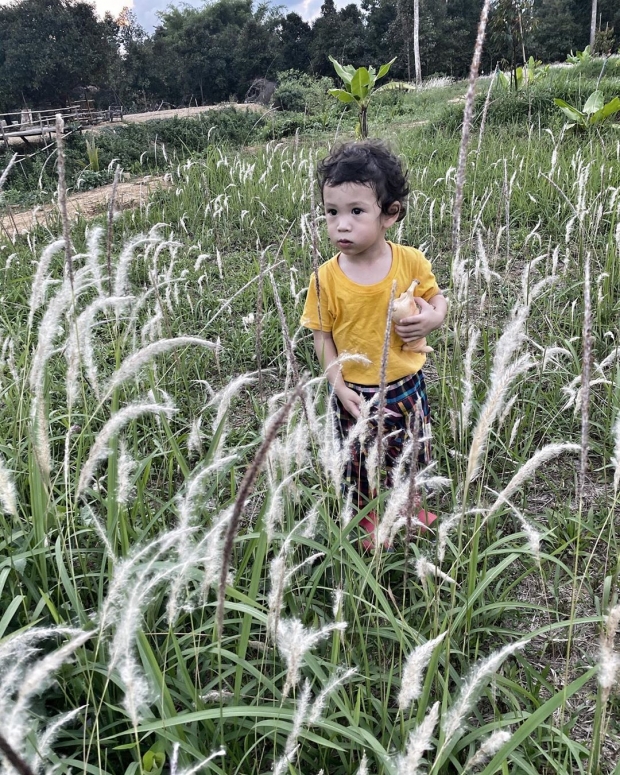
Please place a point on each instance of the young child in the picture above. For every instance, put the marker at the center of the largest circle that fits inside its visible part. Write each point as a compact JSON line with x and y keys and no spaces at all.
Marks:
{"x":364,"y":191}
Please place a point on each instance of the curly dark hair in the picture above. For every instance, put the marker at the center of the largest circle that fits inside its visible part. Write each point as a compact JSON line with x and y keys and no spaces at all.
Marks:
{"x":371,"y":163}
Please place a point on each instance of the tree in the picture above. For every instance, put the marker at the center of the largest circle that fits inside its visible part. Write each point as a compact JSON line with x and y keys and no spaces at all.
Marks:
{"x":295,"y":42}
{"x":556,"y":32}
{"x":508,"y":23}
{"x":416,"y":42}
{"x":593,"y":25}
{"x":49,"y":47}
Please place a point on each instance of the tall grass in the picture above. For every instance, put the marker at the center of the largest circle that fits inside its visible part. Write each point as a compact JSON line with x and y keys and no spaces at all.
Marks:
{"x":471,"y":650}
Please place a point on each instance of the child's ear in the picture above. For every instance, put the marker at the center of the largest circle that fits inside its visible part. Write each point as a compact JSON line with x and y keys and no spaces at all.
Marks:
{"x":393,"y":212}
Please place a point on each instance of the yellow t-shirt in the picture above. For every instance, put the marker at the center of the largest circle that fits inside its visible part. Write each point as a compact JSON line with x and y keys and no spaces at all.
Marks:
{"x":356,"y":314}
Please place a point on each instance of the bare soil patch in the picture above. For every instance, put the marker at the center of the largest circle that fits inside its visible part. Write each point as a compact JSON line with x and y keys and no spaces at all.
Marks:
{"x":158,"y":115}
{"x":87,"y":204}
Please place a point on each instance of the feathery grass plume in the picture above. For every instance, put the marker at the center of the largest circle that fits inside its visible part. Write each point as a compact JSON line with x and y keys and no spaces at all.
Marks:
{"x":90,"y":519}
{"x":616,"y":456}
{"x":194,"y":438}
{"x":100,"y":449}
{"x":138,"y":360}
{"x":314,"y":245}
{"x":206,"y":553}
{"x":13,"y":758}
{"x":39,"y":676}
{"x":383,"y":378}
{"x":445,"y":526}
{"x":467,"y":123}
{"x":363,"y":770}
{"x":122,"y":613}
{"x":290,"y":748}
{"x":277,"y":581}
{"x":488,"y":749}
{"x":548,"y":452}
{"x":62,"y":194}
{"x":126,"y":466}
{"x":211,"y":559}
{"x":338,"y":597}
{"x":258,"y":338}
{"x":340,"y":676}
{"x":222,"y":400}
{"x":424,"y":568}
{"x":609,"y":663}
{"x":482,"y":262}
{"x":585,"y":376}
{"x":92,"y":256}
{"x":275,"y":512}
{"x":293,"y":368}
{"x":502,"y":376}
{"x":8,"y":494}
{"x":47,"y":332}
{"x":121,"y":277}
{"x":108,"y":248}
{"x":294,"y":641}
{"x":411,"y":682}
{"x":7,"y":169}
{"x":397,"y":501}
{"x":197,"y":767}
{"x":80,"y":348}
{"x":245,"y":489}
{"x":485,"y":109}
{"x":467,"y":380}
{"x":280,"y":577}
{"x":188,"y":505}
{"x":470,"y":691}
{"x":420,"y":740}
{"x":41,"y":281}
{"x":46,"y":739}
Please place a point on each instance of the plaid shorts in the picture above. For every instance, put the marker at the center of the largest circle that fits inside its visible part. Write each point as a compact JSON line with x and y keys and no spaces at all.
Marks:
{"x":406,"y":408}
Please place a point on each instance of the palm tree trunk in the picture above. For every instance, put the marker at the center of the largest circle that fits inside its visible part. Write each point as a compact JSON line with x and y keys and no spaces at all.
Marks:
{"x":593,"y":26}
{"x":416,"y":42}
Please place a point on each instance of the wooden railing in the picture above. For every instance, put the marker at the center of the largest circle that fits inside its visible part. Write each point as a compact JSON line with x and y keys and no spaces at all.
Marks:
{"x":38,"y":123}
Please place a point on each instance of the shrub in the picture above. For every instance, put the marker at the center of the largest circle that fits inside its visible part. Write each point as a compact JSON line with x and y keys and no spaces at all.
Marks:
{"x":301,"y":93}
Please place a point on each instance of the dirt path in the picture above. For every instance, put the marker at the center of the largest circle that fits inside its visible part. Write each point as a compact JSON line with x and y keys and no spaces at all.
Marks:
{"x":131,"y":194}
{"x":140,"y":118}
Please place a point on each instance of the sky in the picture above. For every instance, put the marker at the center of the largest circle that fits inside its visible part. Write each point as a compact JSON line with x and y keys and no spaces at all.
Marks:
{"x":146,"y":10}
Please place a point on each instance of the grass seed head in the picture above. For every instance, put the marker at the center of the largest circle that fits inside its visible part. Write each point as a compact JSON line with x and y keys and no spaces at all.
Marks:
{"x":411,"y":683}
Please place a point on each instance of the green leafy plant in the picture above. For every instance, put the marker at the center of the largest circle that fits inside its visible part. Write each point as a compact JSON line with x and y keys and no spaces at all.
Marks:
{"x":594,"y":111}
{"x":580,"y":57}
{"x":524,"y":76}
{"x":93,"y":154}
{"x":359,"y":88}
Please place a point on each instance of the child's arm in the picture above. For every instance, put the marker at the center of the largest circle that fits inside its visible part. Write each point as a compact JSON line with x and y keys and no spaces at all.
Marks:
{"x":327,"y":354}
{"x":431,"y":316}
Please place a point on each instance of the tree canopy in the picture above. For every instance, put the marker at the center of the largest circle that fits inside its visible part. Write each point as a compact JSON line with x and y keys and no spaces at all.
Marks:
{"x":211,"y":53}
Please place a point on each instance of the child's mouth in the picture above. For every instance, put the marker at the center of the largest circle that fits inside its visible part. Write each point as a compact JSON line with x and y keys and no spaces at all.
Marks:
{"x":344,"y":242}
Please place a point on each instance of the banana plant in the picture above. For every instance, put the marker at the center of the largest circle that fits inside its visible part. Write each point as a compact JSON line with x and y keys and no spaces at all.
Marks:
{"x":359,"y":87}
{"x":526,"y":75}
{"x":580,"y":57}
{"x":594,"y":111}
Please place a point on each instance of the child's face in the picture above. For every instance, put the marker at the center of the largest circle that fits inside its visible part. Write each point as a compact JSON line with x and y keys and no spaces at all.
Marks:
{"x":355,"y":223}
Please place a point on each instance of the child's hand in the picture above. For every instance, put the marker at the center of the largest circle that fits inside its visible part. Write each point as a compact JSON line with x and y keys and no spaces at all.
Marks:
{"x":430,"y":317}
{"x":350,"y":400}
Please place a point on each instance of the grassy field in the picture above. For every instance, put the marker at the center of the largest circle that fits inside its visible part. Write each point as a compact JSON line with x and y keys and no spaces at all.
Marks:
{"x":158,"y":401}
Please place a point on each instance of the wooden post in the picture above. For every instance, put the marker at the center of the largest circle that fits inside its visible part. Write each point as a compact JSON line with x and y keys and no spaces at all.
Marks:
{"x":4,"y":137}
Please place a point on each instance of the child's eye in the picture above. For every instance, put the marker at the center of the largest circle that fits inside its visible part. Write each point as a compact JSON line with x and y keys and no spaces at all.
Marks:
{"x":331,"y":211}
{"x":357,"y":211}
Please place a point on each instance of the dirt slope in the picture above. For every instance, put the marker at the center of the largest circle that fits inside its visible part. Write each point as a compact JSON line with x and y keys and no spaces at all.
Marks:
{"x":133,"y":193}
